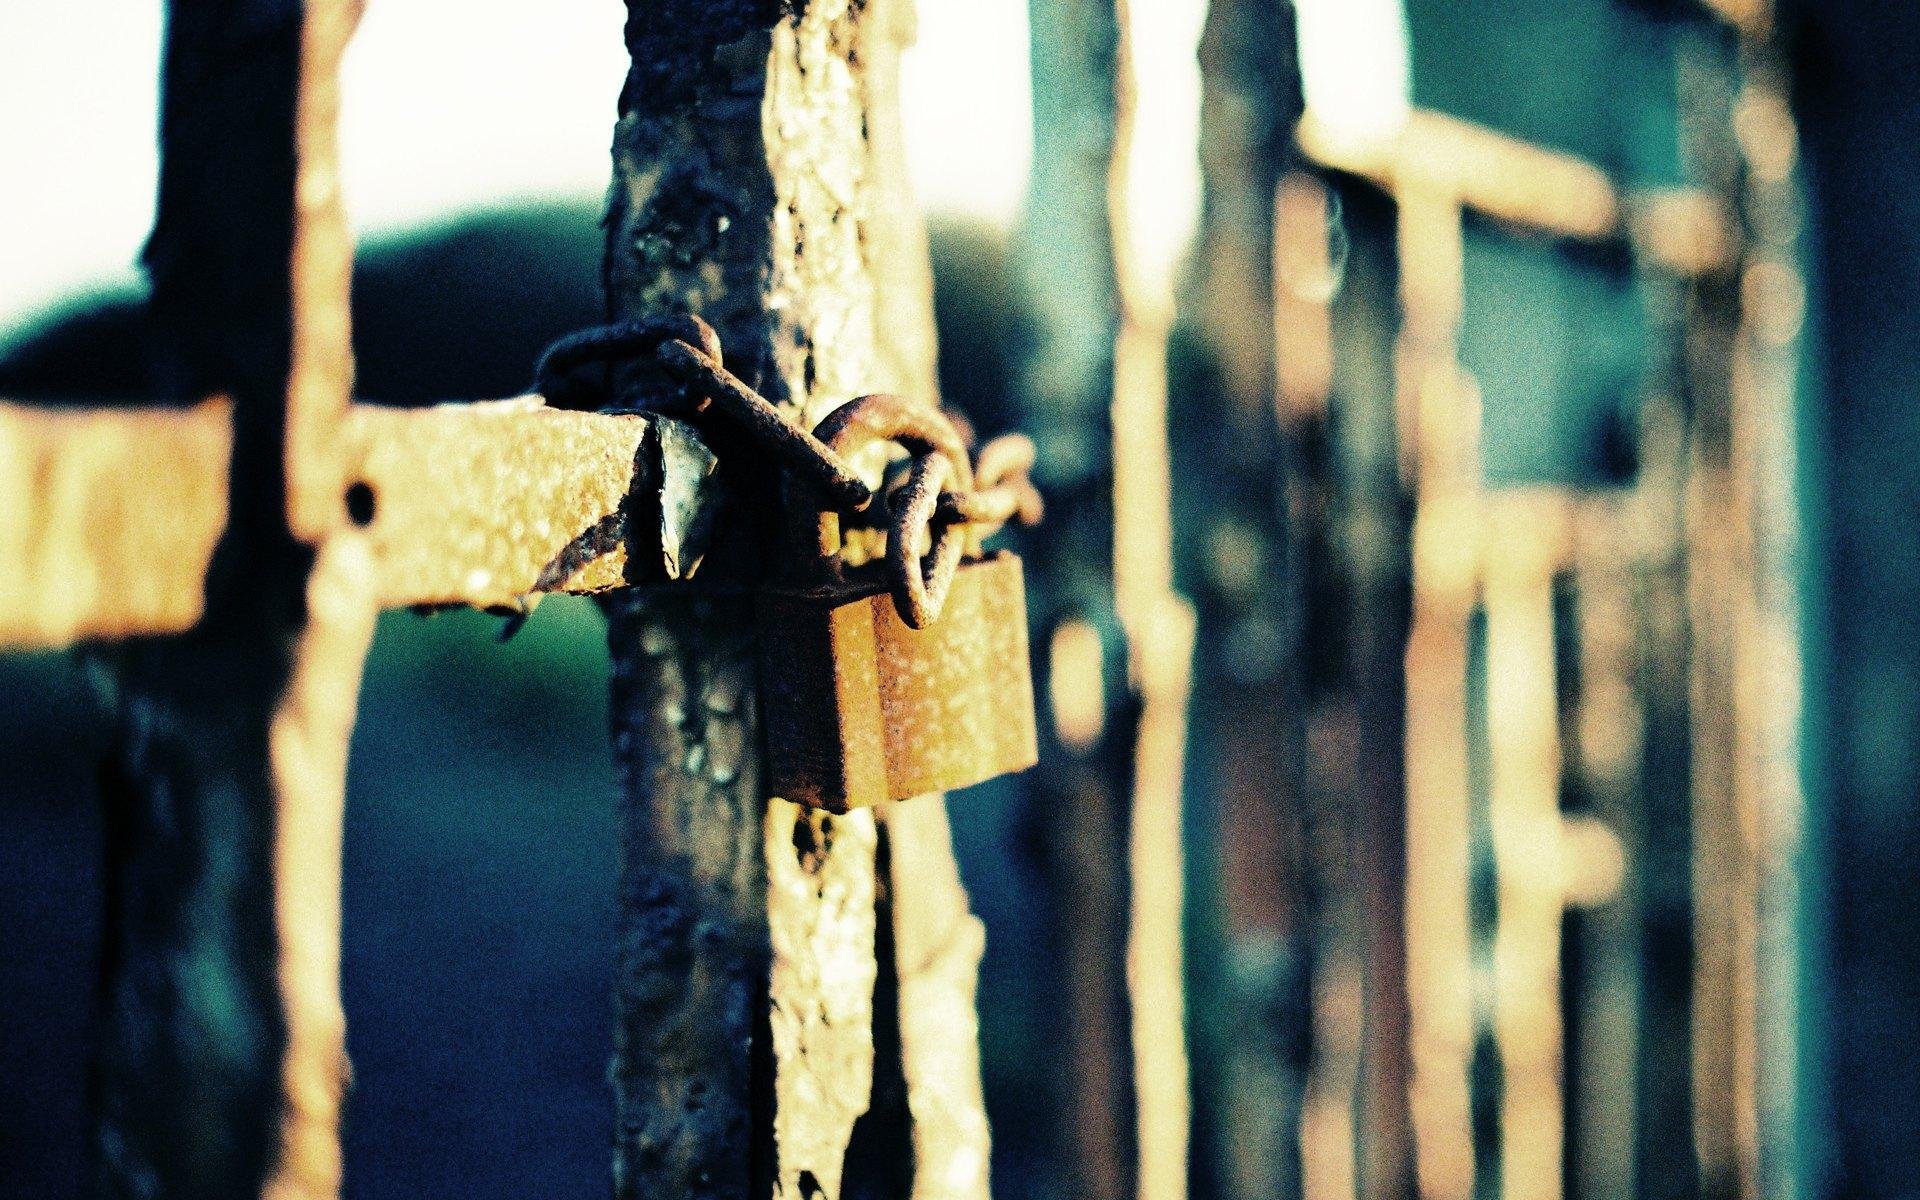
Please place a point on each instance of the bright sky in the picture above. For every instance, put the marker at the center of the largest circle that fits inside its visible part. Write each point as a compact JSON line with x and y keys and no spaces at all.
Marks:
{"x":1353,"y":63}
{"x":452,"y":103}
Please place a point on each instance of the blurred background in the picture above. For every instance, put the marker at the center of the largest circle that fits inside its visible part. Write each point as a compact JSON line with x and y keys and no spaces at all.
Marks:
{"x":1543,"y":481}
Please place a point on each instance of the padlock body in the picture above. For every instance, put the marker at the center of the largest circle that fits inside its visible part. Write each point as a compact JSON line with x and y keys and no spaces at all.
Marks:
{"x":859,"y":707}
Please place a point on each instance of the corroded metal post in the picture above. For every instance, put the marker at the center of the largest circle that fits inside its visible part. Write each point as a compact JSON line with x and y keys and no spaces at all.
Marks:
{"x":753,"y":169}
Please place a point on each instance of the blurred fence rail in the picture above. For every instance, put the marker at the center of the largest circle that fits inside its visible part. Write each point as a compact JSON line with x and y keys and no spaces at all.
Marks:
{"x":1595,"y":782}
{"x":1504,"y":777}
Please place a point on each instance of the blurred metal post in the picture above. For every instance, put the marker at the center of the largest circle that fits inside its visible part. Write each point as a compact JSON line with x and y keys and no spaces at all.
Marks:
{"x":222,"y":1062}
{"x":1095,"y":392}
{"x":1769,"y":660}
{"x":1077,"y":796}
{"x":1744,"y":327}
{"x":1439,"y":432}
{"x":1603,"y":733}
{"x":1524,"y":543}
{"x":1158,"y":624}
{"x":1467,"y":549}
{"x":1244,"y":498}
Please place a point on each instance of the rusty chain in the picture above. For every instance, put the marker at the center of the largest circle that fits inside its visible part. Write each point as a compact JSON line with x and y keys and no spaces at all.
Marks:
{"x":947,"y":502}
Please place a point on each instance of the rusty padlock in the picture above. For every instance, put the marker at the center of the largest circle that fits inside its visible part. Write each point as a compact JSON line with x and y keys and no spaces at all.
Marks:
{"x":859,"y":704}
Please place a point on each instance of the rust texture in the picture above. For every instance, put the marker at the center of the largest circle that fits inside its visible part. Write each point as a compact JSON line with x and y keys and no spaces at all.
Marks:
{"x":939,"y":457}
{"x":483,"y":503}
{"x":822,"y":484}
{"x":784,"y":442}
{"x":863,"y":708}
{"x":937,"y":943}
{"x":740,"y":194}
{"x":693,"y":948}
{"x":475,"y":504}
{"x":688,"y":228}
{"x":820,"y":910}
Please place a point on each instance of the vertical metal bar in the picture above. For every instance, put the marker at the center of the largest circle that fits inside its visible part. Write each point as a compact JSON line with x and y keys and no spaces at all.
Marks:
{"x":1666,"y":1167}
{"x":1097,"y":384}
{"x":314,"y":723}
{"x":1306,"y":276}
{"x":1718,"y":561}
{"x":755,"y":147}
{"x":1606,"y":727}
{"x":1768,"y":660}
{"x":1244,"y":496}
{"x":1097,"y":394}
{"x":1078,"y":793}
{"x":1377,"y":527}
{"x":222,"y":1061}
{"x":1439,"y":436}
{"x":1723,"y":868}
{"x":1744,"y":329}
{"x":1159,"y":628}
{"x":1525,"y":537}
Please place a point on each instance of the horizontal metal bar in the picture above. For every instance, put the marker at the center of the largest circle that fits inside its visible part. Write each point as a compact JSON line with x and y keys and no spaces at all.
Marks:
{"x":1684,"y":229}
{"x":480,"y":503}
{"x":107,"y":520}
{"x":109,"y":517}
{"x":1495,"y":174}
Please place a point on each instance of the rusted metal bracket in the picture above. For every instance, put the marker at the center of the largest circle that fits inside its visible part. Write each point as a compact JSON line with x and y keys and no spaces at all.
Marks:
{"x":114,"y":514}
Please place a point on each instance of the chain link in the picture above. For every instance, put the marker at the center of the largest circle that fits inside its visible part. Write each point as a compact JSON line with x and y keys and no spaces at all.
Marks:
{"x":945,"y":505}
